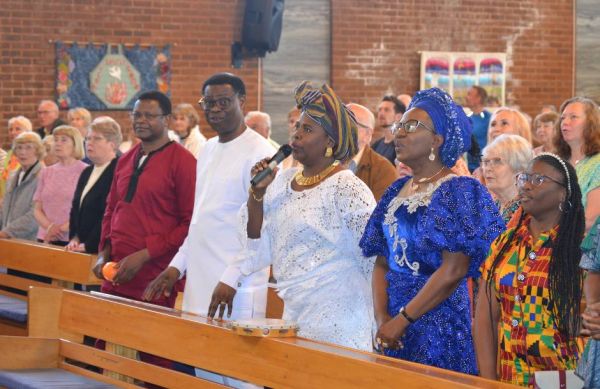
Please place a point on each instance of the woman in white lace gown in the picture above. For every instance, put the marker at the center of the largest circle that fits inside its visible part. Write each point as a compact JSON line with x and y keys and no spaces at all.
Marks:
{"x":308,"y":225}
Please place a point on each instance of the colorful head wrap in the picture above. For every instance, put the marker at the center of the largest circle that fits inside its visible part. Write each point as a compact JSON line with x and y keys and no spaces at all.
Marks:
{"x":449,"y":120}
{"x":326,"y":109}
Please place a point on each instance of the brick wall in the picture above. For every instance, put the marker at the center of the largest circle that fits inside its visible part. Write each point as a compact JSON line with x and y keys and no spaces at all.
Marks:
{"x":375,"y":45}
{"x":201,"y":32}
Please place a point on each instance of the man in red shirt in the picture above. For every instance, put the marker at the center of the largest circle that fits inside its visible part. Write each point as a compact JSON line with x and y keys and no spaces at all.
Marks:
{"x":150,"y":204}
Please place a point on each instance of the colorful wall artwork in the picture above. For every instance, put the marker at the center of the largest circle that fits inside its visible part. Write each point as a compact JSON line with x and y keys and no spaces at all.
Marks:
{"x":457,"y":72}
{"x":109,"y":77}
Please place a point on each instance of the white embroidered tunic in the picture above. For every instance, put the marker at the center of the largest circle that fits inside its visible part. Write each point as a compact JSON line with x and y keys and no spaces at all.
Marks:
{"x":311,"y":238}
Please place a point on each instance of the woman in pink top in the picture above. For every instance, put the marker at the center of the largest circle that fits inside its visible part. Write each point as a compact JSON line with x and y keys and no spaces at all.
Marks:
{"x":56,"y":187}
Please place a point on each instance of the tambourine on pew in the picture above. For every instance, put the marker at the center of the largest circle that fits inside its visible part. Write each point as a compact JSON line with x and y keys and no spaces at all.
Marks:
{"x":266,"y":328}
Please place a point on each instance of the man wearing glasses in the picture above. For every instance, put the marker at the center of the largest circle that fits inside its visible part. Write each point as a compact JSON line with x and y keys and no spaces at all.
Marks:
{"x":223,"y":182}
{"x":150,"y":203}
{"x":372,"y":168}
{"x":47,"y":113}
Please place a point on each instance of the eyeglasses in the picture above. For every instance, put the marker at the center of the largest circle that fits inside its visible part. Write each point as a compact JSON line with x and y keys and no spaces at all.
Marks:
{"x":534,"y":179}
{"x":222,"y":102}
{"x":491,"y":162}
{"x":146,"y":115}
{"x":43,"y":112}
{"x":25,"y":147}
{"x":94,"y":138}
{"x":409,"y":126}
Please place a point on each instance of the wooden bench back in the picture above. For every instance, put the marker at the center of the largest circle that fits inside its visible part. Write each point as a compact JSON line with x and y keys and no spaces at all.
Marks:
{"x":273,"y":362}
{"x":49,"y":261}
{"x":62,"y":267}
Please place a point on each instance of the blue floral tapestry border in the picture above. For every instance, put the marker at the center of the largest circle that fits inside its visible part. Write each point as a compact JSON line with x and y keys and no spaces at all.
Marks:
{"x":75,"y":63}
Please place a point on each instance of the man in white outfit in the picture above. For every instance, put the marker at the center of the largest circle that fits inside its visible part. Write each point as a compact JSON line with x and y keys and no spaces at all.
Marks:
{"x":222,"y":184}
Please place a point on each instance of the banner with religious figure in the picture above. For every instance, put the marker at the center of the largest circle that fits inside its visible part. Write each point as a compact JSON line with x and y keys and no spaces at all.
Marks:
{"x":109,"y":77}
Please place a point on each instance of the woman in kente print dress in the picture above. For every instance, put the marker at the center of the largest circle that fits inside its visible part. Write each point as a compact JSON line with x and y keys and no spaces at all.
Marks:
{"x":528,"y":317}
{"x":430,"y":232}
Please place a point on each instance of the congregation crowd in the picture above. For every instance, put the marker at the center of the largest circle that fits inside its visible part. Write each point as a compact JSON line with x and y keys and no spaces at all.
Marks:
{"x":462,"y":239}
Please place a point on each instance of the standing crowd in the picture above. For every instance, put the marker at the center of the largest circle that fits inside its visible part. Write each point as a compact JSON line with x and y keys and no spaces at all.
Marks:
{"x":465,"y":242}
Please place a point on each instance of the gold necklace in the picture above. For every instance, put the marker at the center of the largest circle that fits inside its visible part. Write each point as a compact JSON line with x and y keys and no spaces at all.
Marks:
{"x":307,"y":181}
{"x":414,"y":186}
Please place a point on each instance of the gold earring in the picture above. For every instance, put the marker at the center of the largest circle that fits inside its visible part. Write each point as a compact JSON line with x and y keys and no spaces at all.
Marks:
{"x":328,"y":152}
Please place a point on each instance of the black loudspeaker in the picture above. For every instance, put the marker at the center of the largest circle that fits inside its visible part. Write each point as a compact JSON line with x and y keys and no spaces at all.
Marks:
{"x":262,"y":26}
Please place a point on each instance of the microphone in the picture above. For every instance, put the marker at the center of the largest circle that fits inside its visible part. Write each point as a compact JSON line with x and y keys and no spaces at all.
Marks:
{"x":281,"y":154}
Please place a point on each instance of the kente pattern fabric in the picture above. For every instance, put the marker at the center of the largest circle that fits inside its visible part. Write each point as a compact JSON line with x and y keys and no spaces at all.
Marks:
{"x":528,"y":339}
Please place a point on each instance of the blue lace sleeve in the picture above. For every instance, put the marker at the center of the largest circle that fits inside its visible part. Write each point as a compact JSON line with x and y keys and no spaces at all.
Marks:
{"x":462,"y":217}
{"x":373,"y":241}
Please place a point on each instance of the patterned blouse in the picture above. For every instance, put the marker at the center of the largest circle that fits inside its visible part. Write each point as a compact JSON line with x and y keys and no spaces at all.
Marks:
{"x":528,"y":338}
{"x":588,"y":175}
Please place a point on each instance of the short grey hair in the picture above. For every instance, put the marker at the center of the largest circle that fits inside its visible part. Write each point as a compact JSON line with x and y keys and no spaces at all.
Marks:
{"x":50,"y":103}
{"x":515,"y":150}
{"x":22,"y":121}
{"x":263,"y":115}
{"x":108,"y":128}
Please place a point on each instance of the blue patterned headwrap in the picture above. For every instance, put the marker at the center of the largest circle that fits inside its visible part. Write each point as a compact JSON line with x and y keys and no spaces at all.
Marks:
{"x":449,"y":120}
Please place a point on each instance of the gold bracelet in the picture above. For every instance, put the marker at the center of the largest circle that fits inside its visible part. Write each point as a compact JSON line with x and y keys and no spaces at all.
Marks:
{"x":257,"y":199}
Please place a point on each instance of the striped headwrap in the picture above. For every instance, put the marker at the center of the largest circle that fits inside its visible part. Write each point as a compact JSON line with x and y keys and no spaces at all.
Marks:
{"x":327,"y":110}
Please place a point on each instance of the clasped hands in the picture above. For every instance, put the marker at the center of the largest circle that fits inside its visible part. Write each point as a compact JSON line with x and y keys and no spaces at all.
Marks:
{"x":390,"y":332}
{"x":591,"y":321}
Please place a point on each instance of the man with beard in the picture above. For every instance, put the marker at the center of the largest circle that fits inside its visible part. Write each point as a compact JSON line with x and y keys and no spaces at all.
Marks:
{"x":223,"y":182}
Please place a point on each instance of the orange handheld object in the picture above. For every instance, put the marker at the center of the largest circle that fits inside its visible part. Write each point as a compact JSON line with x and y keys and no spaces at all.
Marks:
{"x":109,"y":270}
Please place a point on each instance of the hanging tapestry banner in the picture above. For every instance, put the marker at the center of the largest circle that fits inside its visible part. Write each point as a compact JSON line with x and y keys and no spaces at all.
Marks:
{"x":109,"y":77}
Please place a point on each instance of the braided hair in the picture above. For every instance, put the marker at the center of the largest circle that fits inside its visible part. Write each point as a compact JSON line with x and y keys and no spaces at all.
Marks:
{"x":564,"y":275}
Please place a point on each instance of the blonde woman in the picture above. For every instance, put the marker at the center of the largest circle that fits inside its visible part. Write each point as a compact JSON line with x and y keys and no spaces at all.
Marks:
{"x":54,"y":194}
{"x":80,"y":118}
{"x":508,"y":121}
{"x":184,"y":122}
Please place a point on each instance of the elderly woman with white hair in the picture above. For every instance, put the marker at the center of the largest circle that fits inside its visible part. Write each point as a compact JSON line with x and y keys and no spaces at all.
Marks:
{"x":502,"y":159}
{"x":54,"y":194}
{"x":16,"y":213}
{"x":16,"y":126}
{"x":89,"y":200}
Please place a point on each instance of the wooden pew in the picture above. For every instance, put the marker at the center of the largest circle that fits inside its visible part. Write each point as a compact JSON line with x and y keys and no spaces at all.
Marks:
{"x":197,"y":341}
{"x":63,"y":267}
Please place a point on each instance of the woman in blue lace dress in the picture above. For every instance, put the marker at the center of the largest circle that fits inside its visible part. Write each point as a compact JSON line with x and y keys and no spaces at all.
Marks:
{"x":430,"y":232}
